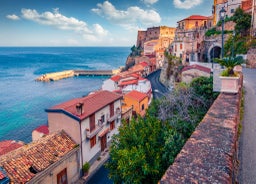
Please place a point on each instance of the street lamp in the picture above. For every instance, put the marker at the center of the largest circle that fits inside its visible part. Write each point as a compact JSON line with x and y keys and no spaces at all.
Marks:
{"x":234,"y":34}
{"x":222,"y":16}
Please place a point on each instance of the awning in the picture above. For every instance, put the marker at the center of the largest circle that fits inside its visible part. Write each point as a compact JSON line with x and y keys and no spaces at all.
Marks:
{"x":103,"y":132}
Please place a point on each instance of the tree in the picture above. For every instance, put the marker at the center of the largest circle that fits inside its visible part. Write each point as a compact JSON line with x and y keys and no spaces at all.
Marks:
{"x":136,"y":153}
{"x":242,"y":20}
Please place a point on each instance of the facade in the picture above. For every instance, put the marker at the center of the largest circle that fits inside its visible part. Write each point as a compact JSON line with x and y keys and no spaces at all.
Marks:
{"x":189,"y":36}
{"x":137,"y":100}
{"x":163,"y":33}
{"x":229,"y":5}
{"x":91,"y":121}
{"x":52,"y":159}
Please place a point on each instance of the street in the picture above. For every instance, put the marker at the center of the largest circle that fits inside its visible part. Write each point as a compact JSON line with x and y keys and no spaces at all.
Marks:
{"x":158,"y":89}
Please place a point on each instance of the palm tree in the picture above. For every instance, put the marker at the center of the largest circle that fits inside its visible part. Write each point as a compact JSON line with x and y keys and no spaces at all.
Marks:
{"x":230,"y":63}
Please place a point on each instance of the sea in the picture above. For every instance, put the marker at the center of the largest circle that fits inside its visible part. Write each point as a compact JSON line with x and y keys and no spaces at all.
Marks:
{"x":23,"y":100}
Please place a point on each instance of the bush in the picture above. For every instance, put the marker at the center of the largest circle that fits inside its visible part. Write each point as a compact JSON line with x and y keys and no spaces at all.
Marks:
{"x":86,"y":167}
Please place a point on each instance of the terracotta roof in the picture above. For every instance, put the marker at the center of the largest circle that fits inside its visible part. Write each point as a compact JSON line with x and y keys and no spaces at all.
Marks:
{"x":43,"y":129}
{"x":91,"y":104}
{"x":36,"y":156}
{"x":2,"y":176}
{"x":195,"y":17}
{"x":144,"y":64}
{"x":9,"y":145}
{"x":136,"y":95}
{"x":116,"y":78}
{"x":129,"y":82}
{"x":198,"y":67}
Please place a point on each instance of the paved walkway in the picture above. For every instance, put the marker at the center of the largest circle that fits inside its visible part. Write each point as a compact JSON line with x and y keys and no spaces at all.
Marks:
{"x":247,"y":146}
{"x":95,"y":167}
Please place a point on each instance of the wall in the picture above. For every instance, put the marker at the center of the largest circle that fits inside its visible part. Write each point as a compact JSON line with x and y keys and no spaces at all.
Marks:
{"x":210,"y":154}
{"x":251,"y":57}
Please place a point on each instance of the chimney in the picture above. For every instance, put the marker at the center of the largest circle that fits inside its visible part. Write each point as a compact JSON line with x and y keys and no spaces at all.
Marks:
{"x":79,"y":108}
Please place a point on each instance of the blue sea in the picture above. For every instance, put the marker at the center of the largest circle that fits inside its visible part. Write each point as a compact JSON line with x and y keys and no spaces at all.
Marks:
{"x":23,"y":100}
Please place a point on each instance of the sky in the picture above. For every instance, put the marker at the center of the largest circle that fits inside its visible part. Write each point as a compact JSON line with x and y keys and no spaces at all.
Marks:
{"x":89,"y":22}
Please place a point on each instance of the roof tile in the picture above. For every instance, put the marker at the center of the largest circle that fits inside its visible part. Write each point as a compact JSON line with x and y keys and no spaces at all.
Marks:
{"x":37,"y":155}
{"x":136,"y":95}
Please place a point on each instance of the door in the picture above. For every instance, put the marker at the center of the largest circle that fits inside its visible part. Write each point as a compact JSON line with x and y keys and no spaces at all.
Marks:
{"x":103,"y":142}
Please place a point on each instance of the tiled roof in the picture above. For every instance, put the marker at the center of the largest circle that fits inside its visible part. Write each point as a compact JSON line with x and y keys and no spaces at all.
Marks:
{"x":195,"y":17}
{"x":144,"y":64}
{"x":36,"y":156}
{"x":9,"y":145}
{"x":91,"y":104}
{"x":129,"y":82}
{"x":136,"y":95}
{"x":43,"y":129}
{"x":116,"y":78}
{"x":2,"y":176}
{"x":198,"y":67}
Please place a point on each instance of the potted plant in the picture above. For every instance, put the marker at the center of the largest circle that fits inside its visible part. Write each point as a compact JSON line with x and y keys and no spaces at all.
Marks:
{"x":86,"y":168}
{"x":229,"y":78}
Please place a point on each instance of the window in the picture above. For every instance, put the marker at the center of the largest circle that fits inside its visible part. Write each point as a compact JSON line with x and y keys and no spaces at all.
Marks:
{"x":62,"y":177}
{"x":92,"y":122}
{"x":93,"y":141}
{"x":196,"y":23}
{"x":232,"y":11}
{"x":112,"y":125}
{"x":181,"y":46}
{"x":102,"y":118}
{"x":111,"y":109}
{"x":142,"y":107}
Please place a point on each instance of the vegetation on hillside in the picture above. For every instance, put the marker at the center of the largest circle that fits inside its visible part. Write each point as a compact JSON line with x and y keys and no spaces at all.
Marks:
{"x":174,"y":67}
{"x":145,"y":147}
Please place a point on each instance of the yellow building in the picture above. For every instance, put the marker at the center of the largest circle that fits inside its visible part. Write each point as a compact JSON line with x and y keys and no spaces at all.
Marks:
{"x":137,"y":100}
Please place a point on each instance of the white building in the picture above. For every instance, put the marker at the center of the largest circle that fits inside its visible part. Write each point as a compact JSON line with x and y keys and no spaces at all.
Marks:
{"x":91,"y":121}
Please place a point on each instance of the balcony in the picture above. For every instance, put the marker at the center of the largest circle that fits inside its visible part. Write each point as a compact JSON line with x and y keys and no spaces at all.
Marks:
{"x":117,"y":115}
{"x":97,"y":129}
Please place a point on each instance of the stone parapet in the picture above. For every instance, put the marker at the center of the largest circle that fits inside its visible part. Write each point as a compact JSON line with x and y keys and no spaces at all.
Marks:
{"x":210,"y":154}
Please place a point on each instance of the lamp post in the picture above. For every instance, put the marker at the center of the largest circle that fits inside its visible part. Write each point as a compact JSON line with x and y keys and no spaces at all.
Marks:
{"x":222,"y":16}
{"x":234,"y":34}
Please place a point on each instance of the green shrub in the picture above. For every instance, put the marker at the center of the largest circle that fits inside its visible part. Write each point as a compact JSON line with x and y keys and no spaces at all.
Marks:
{"x":86,"y":167}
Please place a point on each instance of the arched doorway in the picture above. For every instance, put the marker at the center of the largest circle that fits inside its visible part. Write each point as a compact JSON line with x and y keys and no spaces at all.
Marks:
{"x":214,"y":51}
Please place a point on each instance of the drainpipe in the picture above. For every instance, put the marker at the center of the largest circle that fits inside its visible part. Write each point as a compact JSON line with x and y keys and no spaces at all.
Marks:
{"x":81,"y":143}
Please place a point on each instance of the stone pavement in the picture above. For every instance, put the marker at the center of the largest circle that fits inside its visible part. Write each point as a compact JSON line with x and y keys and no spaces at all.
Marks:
{"x":95,"y":167}
{"x":247,"y":143}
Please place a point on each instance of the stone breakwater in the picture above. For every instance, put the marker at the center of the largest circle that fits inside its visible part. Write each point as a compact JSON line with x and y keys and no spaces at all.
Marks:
{"x":71,"y":73}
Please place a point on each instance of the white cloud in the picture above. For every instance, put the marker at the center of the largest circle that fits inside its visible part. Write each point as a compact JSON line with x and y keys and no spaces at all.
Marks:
{"x":130,"y":18}
{"x":149,"y":1}
{"x":186,"y":4}
{"x":55,"y":19}
{"x":13,"y":17}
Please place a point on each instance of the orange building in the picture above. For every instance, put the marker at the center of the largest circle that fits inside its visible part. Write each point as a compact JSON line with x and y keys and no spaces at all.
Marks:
{"x":193,"y":21}
{"x":137,"y":100}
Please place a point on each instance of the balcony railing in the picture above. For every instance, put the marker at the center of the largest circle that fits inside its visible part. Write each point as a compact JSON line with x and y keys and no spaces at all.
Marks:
{"x":97,"y":129}
{"x":117,"y":115}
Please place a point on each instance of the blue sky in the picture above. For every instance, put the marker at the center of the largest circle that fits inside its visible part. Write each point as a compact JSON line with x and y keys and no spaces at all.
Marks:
{"x":89,"y":22}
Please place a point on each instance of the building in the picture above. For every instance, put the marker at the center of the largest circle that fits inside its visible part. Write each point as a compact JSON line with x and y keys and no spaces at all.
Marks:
{"x":137,"y":100}
{"x":52,"y":159}
{"x":188,"y":73}
{"x":248,"y":7}
{"x":91,"y":121}
{"x":39,"y":132}
{"x":189,"y":36}
{"x":163,"y":33}
{"x":229,"y":5}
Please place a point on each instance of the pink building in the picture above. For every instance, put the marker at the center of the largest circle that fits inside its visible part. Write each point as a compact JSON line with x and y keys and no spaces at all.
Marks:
{"x":91,"y":121}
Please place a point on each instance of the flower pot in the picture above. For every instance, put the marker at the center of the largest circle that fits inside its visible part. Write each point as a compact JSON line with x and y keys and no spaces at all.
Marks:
{"x":229,"y":84}
{"x":238,"y":68}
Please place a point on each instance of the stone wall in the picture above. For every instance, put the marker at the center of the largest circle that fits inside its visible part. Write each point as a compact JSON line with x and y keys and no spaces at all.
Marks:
{"x":251,"y":57}
{"x":210,"y":154}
